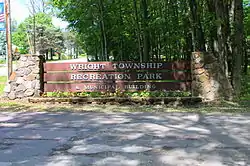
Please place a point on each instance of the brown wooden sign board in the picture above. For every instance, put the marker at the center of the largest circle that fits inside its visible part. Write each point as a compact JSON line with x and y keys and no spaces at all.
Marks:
{"x":113,"y":76}
{"x":114,"y":66}
{"x":125,"y":86}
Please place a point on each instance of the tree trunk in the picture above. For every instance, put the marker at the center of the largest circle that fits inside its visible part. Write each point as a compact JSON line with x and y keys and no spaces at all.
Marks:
{"x":238,"y":45}
{"x":77,"y":52}
{"x":198,"y":34}
{"x":221,"y":45}
{"x":47,"y":55}
{"x":121,"y":52}
{"x":59,"y":56}
{"x":138,"y":31}
{"x":51,"y":54}
{"x":146,"y":44}
{"x":103,"y":31}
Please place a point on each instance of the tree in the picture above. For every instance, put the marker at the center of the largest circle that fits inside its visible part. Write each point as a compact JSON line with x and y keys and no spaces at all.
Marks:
{"x":238,"y":44}
{"x":2,"y":44}
{"x":38,"y":6}
{"x":47,"y":36}
{"x":163,"y":30}
{"x":72,"y":43}
{"x":49,"y":39}
{"x":246,"y":4}
{"x":197,"y":29}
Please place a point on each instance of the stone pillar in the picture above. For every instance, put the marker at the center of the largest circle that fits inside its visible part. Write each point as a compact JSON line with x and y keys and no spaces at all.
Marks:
{"x":208,"y":79}
{"x":27,"y":79}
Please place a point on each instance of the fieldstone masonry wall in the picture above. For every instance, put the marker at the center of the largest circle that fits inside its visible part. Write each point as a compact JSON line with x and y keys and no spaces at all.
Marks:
{"x":26,"y":80}
{"x":208,"y":79}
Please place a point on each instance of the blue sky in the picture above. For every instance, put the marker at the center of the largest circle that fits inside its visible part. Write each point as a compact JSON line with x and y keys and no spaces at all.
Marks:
{"x":20,"y":11}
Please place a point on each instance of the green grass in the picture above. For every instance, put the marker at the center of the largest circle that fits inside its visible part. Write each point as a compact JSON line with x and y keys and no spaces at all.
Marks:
{"x":2,"y":61}
{"x":3,"y":79}
{"x":1,"y":88}
{"x":23,"y":106}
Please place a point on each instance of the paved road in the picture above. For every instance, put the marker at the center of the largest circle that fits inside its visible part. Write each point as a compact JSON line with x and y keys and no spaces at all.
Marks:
{"x":123,"y":139}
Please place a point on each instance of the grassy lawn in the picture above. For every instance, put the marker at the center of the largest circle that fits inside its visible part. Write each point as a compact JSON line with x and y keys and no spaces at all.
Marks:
{"x":1,"y":88}
{"x":24,"y":106}
{"x":3,"y":79}
{"x":2,"y":61}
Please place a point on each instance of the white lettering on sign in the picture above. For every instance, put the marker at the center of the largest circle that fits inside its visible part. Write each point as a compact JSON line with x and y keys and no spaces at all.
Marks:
{"x":73,"y":77}
{"x":87,"y":66}
{"x":137,"y":65}
{"x":113,"y":87}
{"x":96,"y":66}
{"x":99,"y":87}
{"x":100,"y":76}
{"x":147,"y":76}
{"x":137,"y":76}
{"x":139,"y":87}
{"x":159,"y":65}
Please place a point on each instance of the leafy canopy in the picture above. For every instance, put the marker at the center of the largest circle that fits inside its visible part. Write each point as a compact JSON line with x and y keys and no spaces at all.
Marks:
{"x":25,"y":29}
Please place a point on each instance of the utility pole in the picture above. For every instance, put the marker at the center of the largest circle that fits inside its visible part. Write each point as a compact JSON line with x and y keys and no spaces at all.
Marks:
{"x":8,"y":36}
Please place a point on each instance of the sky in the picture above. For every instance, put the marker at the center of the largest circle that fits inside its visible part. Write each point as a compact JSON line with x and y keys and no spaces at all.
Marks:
{"x":20,"y":11}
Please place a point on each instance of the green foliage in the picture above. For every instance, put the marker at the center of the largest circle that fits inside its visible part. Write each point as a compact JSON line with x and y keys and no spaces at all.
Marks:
{"x":2,"y":43}
{"x":118,"y":93}
{"x":83,"y":55}
{"x":247,"y":18}
{"x":122,"y":24}
{"x":23,"y":50}
{"x":245,"y":89}
{"x":2,"y":61}
{"x":47,"y":36}
{"x":160,"y":30}
{"x":1,"y":88}
{"x":20,"y":37}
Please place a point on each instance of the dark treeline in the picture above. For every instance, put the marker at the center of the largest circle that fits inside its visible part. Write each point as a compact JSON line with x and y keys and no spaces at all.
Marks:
{"x":161,"y":30}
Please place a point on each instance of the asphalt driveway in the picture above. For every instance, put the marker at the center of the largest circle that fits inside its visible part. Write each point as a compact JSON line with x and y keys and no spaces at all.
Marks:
{"x":124,"y":139}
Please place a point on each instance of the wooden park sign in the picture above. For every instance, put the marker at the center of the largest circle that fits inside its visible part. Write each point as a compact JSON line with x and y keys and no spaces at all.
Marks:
{"x":111,"y":76}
